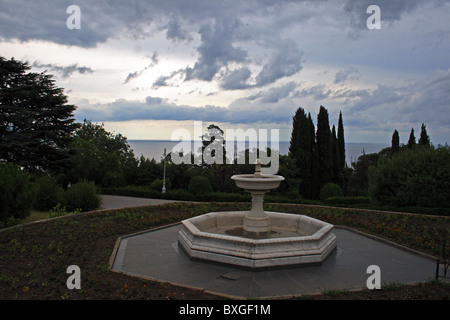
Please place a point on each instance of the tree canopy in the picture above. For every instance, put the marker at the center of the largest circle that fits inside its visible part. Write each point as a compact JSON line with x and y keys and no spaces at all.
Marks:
{"x":418,"y":177}
{"x":36,"y":122}
{"x":101,"y":156}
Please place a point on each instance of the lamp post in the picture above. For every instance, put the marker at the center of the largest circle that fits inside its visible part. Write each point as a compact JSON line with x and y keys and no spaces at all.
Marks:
{"x":164,"y":179}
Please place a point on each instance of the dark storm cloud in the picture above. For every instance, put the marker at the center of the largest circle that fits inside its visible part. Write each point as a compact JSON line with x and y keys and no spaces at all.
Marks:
{"x":66,"y":71}
{"x":216,"y":49}
{"x":218,"y":23}
{"x":275,"y":94}
{"x":47,"y":21}
{"x":285,"y":62}
{"x":102,"y":19}
{"x":236,"y":79}
{"x":175,"y":31}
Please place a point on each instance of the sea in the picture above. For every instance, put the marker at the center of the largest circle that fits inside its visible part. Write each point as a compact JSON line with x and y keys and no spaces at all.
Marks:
{"x":154,"y":149}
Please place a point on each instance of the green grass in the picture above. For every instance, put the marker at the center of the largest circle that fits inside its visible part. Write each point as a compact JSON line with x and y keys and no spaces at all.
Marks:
{"x":36,"y":215}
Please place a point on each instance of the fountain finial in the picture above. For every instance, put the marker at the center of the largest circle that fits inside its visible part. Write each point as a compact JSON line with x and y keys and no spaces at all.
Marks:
{"x":258,"y":168}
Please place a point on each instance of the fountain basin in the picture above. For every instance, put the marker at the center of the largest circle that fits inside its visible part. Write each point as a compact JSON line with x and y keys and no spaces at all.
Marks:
{"x":292,"y":240}
{"x":263,"y":182}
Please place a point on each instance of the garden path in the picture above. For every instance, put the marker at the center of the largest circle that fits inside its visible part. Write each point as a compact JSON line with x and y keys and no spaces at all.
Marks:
{"x":118,"y":202}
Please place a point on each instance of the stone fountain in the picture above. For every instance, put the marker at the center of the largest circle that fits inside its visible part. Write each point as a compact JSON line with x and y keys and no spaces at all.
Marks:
{"x":256,"y":238}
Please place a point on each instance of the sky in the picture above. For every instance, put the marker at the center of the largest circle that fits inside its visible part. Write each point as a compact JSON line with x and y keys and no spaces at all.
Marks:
{"x":147,"y":68}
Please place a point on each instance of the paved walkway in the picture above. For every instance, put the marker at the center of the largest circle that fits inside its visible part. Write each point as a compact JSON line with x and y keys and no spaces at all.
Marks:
{"x":156,"y":255}
{"x":117,"y":202}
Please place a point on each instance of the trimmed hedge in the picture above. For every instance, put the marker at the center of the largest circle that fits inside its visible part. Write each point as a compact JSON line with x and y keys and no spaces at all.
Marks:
{"x":184,"y":195}
{"x":347,"y":200}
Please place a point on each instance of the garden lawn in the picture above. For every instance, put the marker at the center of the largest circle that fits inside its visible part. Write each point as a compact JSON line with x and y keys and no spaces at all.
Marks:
{"x":34,"y":257}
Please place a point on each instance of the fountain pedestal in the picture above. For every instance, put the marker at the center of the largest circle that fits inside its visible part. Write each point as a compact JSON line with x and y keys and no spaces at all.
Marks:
{"x":257,"y":222}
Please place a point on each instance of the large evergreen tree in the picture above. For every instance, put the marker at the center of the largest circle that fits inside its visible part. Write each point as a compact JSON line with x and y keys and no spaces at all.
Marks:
{"x":335,"y":157}
{"x":341,"y":142}
{"x":36,"y":122}
{"x":424,"y":139}
{"x":411,"y":140}
{"x":324,"y":147}
{"x":315,"y":188}
{"x":300,"y":149}
{"x":395,"y":143}
{"x":293,"y":145}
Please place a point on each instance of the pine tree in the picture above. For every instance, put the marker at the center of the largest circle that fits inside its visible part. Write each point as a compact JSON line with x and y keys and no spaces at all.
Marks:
{"x":412,"y":139}
{"x":424,"y":139}
{"x":324,"y":147}
{"x":395,"y":142}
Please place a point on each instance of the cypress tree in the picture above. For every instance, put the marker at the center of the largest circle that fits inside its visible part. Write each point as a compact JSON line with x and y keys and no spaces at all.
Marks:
{"x":395,"y":143}
{"x":424,"y":139}
{"x":336,"y":160}
{"x":412,"y":139}
{"x":341,"y":142}
{"x":300,"y":150}
{"x":293,"y":145}
{"x":324,"y":147}
{"x":315,"y":190}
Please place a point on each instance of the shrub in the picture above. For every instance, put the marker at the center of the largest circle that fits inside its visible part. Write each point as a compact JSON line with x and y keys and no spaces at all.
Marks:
{"x":49,"y":194}
{"x":17,"y":192}
{"x":157,"y":185}
{"x":199,"y":185}
{"x":330,"y":190}
{"x":417,"y":177}
{"x":82,"y":196}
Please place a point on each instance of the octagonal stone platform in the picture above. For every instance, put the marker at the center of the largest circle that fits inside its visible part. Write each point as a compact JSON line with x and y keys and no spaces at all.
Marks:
{"x":292,"y":240}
